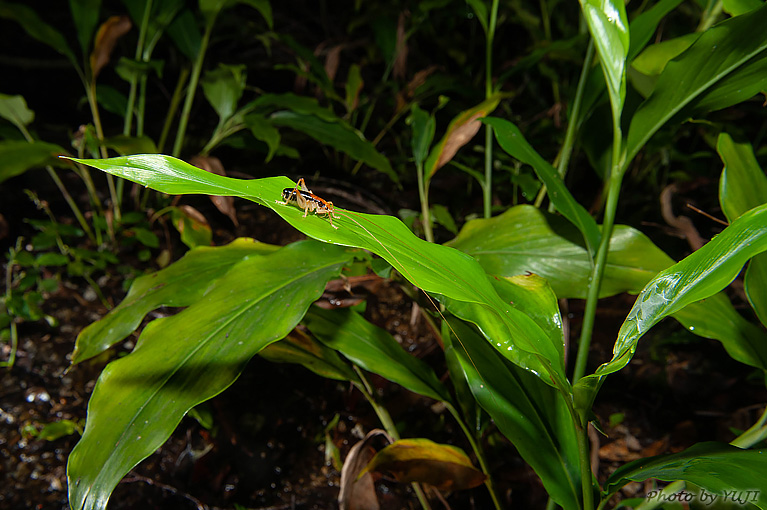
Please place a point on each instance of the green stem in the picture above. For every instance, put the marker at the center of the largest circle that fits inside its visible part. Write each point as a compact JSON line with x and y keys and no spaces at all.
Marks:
{"x":477,"y":448}
{"x":423,"y":193}
{"x":487,"y":197}
{"x":582,"y":432}
{"x":91,"y":93}
{"x":756,"y":433}
{"x":710,"y":17}
{"x":190,"y":91}
{"x":175,"y":101}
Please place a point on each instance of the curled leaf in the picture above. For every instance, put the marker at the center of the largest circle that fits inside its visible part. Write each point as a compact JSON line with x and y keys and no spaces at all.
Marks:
{"x":106,"y":38}
{"x":421,"y":460}
{"x":357,"y":490}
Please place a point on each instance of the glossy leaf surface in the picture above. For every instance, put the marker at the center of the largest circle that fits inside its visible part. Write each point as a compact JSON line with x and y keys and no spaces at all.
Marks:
{"x":525,"y":239}
{"x":302,"y":349}
{"x":421,"y":460}
{"x":510,"y":138}
{"x":720,"y":468}
{"x":373,"y":349}
{"x":726,"y":65}
{"x":700,"y":275}
{"x":433,"y":268}
{"x":190,"y":357}
{"x":531,"y":414}
{"x":609,"y":28}
{"x":180,"y":284}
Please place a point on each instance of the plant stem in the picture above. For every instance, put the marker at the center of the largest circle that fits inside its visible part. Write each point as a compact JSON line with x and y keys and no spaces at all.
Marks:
{"x":475,"y":446}
{"x":175,"y":100}
{"x":91,"y":93}
{"x":190,"y":91}
{"x":582,"y":432}
{"x":133,"y":81}
{"x":423,"y":193}
{"x":487,"y":189}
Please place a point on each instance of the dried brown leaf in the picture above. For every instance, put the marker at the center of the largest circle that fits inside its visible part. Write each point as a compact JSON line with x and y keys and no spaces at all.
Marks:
{"x":213,"y":165}
{"x":106,"y":38}
{"x":359,"y":494}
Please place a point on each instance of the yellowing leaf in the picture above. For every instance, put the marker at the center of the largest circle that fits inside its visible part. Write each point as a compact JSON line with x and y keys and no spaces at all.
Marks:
{"x":421,"y":460}
{"x":106,"y":38}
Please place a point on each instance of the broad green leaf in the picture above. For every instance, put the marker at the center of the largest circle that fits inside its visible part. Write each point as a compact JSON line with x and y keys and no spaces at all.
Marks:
{"x":338,"y":135}
{"x":643,"y":26}
{"x":743,"y":186}
{"x":531,"y":414}
{"x":525,"y":239}
{"x":459,"y":132}
{"x":700,"y":275}
{"x":716,"y":318}
{"x":85,"y":15}
{"x":609,"y":28}
{"x":433,"y":268}
{"x":111,"y":99}
{"x":511,"y":139}
{"x":14,"y":109}
{"x":738,"y":7}
{"x":262,"y":129}
{"x":18,"y":156}
{"x":723,"y":469}
{"x":300,"y":348}
{"x":373,"y":349}
{"x":181,"y":284}
{"x":653,"y":60}
{"x":186,"y":359}
{"x":423,"y":125}
{"x":223,"y":88}
{"x":185,"y":34}
{"x":37,"y":28}
{"x":422,"y":460}
{"x":726,"y":65}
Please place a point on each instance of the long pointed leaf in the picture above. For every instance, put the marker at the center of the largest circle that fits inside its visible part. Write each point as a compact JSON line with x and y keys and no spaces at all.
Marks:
{"x":190,"y":357}
{"x":431,"y":267}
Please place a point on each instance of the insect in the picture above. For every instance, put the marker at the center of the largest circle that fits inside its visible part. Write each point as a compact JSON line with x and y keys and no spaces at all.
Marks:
{"x":308,"y":201}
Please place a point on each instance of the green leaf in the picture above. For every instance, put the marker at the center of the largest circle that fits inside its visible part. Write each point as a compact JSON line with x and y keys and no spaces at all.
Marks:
{"x":338,"y":135}
{"x":511,"y":139}
{"x":480,"y":10}
{"x":18,"y":156}
{"x":51,"y":259}
{"x":294,"y":103}
{"x":653,"y":60}
{"x":373,"y":349}
{"x":126,"y":145}
{"x":459,"y":132}
{"x":743,"y":186}
{"x":738,"y":7}
{"x":185,"y":34}
{"x":111,"y":99}
{"x":37,"y":28}
{"x":14,"y":109}
{"x":433,"y":268}
{"x":727,"y":471}
{"x":263,"y":7}
{"x":725,"y":66}
{"x":300,"y":348}
{"x":423,"y":125}
{"x":180,"y":284}
{"x":421,"y":460}
{"x":609,"y":28}
{"x":192,"y":226}
{"x":186,"y":359}
{"x":223,"y":88}
{"x":700,"y":275}
{"x":263,"y":130}
{"x":58,"y":429}
{"x":531,"y":414}
{"x":525,"y":239}
{"x":353,"y":87}
{"x":85,"y":15}
{"x":643,"y":26}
